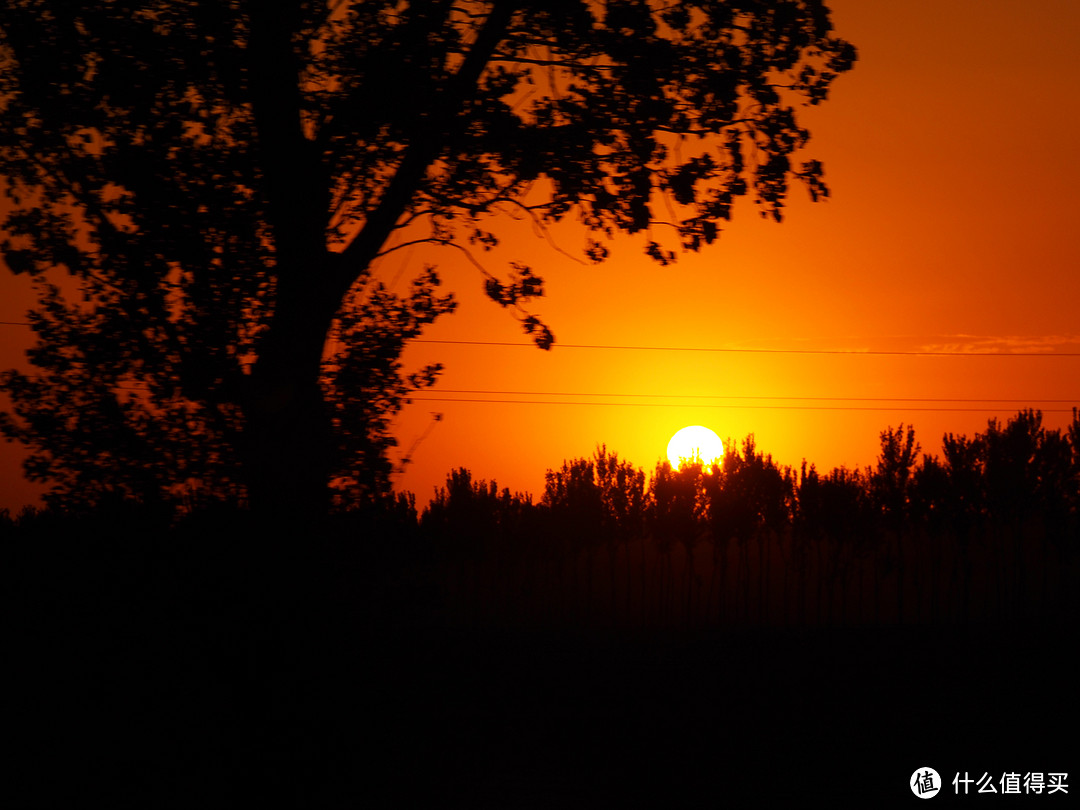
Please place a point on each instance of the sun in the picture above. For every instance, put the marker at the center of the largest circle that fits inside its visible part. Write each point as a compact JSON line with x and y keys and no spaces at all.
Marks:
{"x":695,"y":442}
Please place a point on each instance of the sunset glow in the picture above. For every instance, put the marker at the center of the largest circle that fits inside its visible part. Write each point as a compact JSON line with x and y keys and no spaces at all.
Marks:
{"x":821,"y":330}
{"x":695,"y":443}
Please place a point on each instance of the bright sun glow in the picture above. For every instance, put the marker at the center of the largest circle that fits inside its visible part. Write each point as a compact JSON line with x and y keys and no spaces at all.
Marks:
{"x":695,"y":442}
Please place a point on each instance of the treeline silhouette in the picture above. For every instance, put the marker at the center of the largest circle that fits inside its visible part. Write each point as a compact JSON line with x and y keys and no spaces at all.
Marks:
{"x":987,"y":531}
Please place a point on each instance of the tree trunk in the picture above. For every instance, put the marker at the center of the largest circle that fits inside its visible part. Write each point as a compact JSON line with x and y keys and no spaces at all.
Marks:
{"x":287,"y":431}
{"x":287,"y":434}
{"x":288,"y":440}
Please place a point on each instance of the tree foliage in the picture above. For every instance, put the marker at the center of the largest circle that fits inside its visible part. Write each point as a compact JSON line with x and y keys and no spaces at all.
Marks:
{"x":219,"y":179}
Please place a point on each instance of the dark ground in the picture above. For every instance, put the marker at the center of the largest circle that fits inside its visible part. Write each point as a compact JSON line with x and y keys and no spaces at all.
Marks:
{"x":169,"y":680}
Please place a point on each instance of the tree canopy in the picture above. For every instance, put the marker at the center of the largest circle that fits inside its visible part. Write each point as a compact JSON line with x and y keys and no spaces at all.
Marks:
{"x":217,"y":179}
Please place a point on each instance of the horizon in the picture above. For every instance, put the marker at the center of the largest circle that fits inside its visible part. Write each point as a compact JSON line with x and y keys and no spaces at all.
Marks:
{"x":947,"y":230}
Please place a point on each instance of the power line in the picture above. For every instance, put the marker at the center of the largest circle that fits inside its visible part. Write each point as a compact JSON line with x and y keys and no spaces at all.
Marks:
{"x":755,"y":351}
{"x":728,"y":407}
{"x":1029,"y":401}
{"x":1026,"y":400}
{"x":726,"y":350}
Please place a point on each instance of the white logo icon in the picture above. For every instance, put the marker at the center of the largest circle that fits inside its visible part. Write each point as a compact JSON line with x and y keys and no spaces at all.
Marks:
{"x":925,"y":783}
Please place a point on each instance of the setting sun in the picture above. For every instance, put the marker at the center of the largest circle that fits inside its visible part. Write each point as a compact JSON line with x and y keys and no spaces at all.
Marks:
{"x":695,"y":442}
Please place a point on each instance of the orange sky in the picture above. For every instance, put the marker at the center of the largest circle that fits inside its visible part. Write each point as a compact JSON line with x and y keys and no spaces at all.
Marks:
{"x":950,"y":153}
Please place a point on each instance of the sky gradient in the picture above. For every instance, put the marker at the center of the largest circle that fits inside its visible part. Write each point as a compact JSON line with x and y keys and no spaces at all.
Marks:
{"x":951,"y":228}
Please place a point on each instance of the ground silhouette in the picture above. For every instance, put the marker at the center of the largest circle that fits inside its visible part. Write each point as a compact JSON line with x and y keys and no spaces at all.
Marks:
{"x":486,"y":651}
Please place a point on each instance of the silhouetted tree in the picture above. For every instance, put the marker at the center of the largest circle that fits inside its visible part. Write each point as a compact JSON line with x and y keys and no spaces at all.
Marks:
{"x":622,"y":491}
{"x":364,"y":384}
{"x":834,"y":527}
{"x":721,"y":529}
{"x":678,"y":507}
{"x":479,"y":533}
{"x":1074,"y":436}
{"x":749,"y":501}
{"x":889,"y":483}
{"x":575,"y":498}
{"x":965,"y":508}
{"x":1006,"y":456}
{"x":219,"y":177}
{"x":929,"y":504}
{"x":895,"y":464}
{"x":464,"y":515}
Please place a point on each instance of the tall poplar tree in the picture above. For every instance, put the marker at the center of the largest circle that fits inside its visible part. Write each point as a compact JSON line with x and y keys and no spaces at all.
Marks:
{"x":219,"y":177}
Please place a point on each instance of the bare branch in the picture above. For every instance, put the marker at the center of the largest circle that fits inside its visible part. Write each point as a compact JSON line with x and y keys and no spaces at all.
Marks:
{"x":539,"y":227}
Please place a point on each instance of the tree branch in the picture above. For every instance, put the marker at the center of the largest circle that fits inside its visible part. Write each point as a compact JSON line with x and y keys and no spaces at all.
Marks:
{"x":424,"y":149}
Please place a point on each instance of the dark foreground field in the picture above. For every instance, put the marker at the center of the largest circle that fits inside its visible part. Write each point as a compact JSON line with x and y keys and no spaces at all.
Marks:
{"x":664,"y":719}
{"x":161,"y":677}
